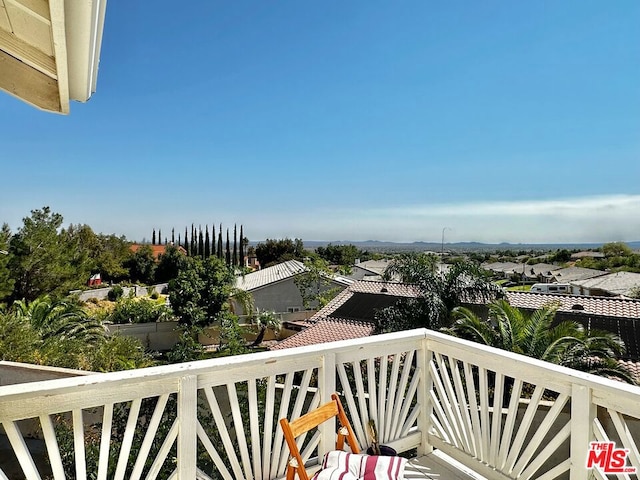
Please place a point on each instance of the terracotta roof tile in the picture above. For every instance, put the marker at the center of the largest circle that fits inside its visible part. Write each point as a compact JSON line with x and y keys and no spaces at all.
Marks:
{"x":327,"y":330}
{"x":601,"y":306}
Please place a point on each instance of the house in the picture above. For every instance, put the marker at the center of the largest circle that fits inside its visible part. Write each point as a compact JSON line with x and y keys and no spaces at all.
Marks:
{"x":351,"y":314}
{"x":274,"y":288}
{"x":570,"y":274}
{"x":50,"y":50}
{"x":504,"y":269}
{"x":620,"y":316}
{"x":611,"y":285}
{"x":586,"y":254}
{"x":369,"y":269}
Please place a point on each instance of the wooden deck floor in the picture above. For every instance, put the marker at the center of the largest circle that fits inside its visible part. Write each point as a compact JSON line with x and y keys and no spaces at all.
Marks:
{"x":437,"y":466}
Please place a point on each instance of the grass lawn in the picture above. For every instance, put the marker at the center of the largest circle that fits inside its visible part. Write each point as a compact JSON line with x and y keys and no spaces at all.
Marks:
{"x":520,"y":288}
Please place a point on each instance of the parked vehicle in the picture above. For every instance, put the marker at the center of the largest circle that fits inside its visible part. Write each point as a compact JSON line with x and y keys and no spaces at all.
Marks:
{"x":551,"y":288}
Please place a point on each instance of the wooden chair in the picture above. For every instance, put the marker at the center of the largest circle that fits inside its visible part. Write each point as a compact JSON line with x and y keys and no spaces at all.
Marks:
{"x":310,"y":420}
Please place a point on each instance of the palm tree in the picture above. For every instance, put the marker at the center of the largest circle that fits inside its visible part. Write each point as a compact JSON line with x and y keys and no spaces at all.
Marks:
{"x":60,"y":319}
{"x":537,"y":335}
{"x":439,"y":292}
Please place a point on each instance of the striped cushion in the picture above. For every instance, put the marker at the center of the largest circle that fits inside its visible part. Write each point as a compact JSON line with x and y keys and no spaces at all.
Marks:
{"x":338,"y":465}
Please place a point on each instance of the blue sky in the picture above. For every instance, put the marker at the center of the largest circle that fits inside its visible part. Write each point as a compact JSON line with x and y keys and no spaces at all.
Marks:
{"x":500,"y":120}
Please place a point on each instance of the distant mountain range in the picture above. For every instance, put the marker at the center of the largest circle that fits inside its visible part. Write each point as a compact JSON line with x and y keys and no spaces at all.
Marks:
{"x":375,"y":245}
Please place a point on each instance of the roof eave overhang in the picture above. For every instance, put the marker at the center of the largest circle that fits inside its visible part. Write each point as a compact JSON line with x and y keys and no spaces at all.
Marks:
{"x":50,"y":81}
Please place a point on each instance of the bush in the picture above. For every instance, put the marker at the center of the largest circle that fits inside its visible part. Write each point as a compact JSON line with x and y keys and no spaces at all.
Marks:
{"x":186,"y":349}
{"x":115,"y":293}
{"x":139,"y":310}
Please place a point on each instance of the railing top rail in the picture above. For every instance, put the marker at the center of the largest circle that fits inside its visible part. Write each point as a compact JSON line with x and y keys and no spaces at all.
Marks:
{"x":514,"y":362}
{"x":249,"y":362}
{"x":257,"y":362}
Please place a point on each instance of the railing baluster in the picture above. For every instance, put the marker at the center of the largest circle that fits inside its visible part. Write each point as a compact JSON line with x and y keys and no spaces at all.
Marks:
{"x":78,"y":444}
{"x":188,"y":427}
{"x":53,"y":448}
{"x":583,"y":412}
{"x":105,"y":441}
{"x":21,"y":450}
{"x":327,"y":385}
{"x":424,"y":397}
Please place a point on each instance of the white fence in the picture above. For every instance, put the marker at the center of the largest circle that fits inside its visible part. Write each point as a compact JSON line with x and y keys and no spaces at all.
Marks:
{"x":219,"y":418}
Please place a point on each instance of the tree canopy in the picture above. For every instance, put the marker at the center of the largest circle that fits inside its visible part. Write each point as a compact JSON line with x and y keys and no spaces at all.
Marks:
{"x":272,"y":251}
{"x":439,"y":292}
{"x":201,"y":291}
{"x":537,"y":335}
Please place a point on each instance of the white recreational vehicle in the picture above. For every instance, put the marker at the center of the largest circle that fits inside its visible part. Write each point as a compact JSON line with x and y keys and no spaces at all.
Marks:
{"x":551,"y":288}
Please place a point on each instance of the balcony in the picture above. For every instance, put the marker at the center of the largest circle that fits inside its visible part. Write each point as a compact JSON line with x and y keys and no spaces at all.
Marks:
{"x":433,"y":397}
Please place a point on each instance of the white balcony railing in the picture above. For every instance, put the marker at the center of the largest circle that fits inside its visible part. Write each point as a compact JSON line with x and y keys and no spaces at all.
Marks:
{"x":500,"y":414}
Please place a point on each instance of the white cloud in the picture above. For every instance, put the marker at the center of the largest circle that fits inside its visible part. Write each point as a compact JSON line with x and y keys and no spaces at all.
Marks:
{"x":585,"y":219}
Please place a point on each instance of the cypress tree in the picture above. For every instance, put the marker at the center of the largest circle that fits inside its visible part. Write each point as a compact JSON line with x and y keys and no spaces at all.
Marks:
{"x":159,"y":237}
{"x":213,"y":240}
{"x":194,"y":246}
{"x":220,"y":243}
{"x":173,"y":236}
{"x":186,"y":241}
{"x":153,"y":237}
{"x":241,"y":257}
{"x":179,"y":244}
{"x":207,"y":243}
{"x":200,"y":242}
{"x":235,"y":246}
{"x":228,"y":252}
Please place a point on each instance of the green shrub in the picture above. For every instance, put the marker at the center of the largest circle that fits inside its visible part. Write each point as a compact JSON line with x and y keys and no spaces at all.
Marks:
{"x":115,"y":293}
{"x":139,"y":310}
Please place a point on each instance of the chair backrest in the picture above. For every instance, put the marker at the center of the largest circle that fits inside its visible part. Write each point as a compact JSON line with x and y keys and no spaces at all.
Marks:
{"x":310,"y":420}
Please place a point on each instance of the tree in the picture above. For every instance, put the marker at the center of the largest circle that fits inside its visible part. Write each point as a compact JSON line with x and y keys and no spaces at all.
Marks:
{"x":187,"y":247}
{"x":213,"y":240}
{"x":59,"y":333}
{"x":315,"y":285}
{"x":39,"y":260}
{"x":235,"y":247}
{"x":194,"y":244}
{"x":142,"y":265}
{"x":200,"y":242}
{"x":227,"y":251}
{"x":537,"y":335}
{"x":242,"y":247}
{"x":616,"y":249}
{"x":272,"y":252}
{"x":207,"y":242}
{"x":170,"y":264}
{"x":6,"y":281}
{"x":339,"y":254}
{"x":201,"y":291}
{"x":219,"y":251}
{"x":112,"y":256}
{"x":438,"y":293}
{"x":153,"y":237}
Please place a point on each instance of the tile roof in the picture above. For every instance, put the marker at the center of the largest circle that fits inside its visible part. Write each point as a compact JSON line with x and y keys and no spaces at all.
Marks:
{"x":327,"y":330}
{"x":619,"y":283}
{"x":342,"y":328}
{"x":600,"y":306}
{"x":276,"y":273}
{"x":633,"y":367}
{"x":375,"y":266}
{"x":576,"y":273}
{"x":364,"y":286}
{"x":503,"y":266}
